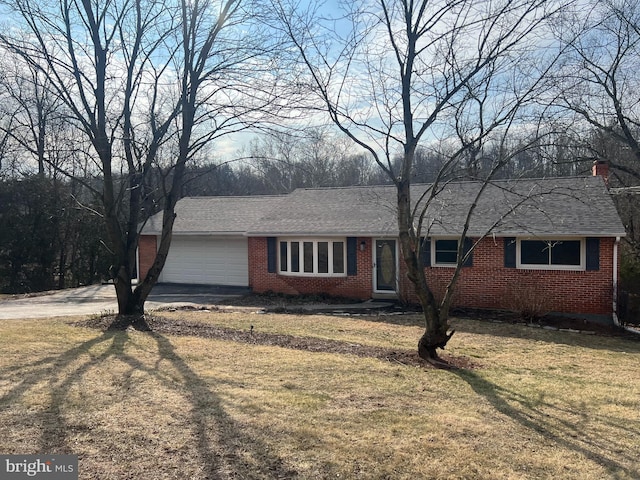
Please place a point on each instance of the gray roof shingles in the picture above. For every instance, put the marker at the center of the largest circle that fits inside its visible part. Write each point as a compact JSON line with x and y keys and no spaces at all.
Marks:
{"x":215,"y":215}
{"x":567,"y":206}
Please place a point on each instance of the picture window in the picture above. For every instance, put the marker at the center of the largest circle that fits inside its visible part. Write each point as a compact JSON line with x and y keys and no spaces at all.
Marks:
{"x":563,"y":254}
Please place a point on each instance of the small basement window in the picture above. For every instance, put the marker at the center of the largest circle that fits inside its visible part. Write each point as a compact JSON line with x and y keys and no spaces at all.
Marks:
{"x":551,"y":254}
{"x":321,"y":257}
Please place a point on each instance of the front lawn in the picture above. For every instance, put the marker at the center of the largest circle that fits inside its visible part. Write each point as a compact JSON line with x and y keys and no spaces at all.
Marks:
{"x":167,"y":404}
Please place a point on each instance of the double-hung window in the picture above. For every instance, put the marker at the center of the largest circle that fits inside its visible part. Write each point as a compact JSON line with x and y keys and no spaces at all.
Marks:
{"x":443,"y":252}
{"x":322,"y":257}
{"x":551,"y":254}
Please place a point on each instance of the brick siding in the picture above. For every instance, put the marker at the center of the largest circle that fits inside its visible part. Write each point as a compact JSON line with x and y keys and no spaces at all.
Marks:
{"x":147,"y":248}
{"x":487,"y":284}
{"x":352,"y":286}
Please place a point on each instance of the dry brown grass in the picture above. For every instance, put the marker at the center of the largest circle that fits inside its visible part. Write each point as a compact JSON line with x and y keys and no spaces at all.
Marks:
{"x":142,"y":405}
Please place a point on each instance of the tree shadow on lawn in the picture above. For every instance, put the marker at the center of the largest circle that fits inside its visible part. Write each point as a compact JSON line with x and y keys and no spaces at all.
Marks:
{"x":224,"y":451}
{"x":621,"y":342}
{"x":600,"y":337}
{"x":552,"y":422}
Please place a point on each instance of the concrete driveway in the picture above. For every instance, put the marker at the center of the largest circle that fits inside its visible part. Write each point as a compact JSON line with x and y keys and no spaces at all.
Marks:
{"x":97,"y":299}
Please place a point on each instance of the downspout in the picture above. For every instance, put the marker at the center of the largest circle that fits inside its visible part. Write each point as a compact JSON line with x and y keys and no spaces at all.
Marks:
{"x":136,"y":281}
{"x":616,"y":321}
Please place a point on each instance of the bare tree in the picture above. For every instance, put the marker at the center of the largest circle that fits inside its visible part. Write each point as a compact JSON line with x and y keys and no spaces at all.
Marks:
{"x":147,"y":84}
{"x":598,"y":85}
{"x":396,"y":74}
{"x":307,"y":157}
{"x":598,"y":80}
{"x":36,"y":121}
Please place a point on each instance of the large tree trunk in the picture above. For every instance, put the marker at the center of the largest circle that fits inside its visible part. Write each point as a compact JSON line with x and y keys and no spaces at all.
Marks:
{"x":129,"y":301}
{"x":436,"y":333}
{"x":433,"y":338}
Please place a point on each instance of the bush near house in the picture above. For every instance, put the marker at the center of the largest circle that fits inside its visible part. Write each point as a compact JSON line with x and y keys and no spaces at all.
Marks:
{"x":629,"y":304}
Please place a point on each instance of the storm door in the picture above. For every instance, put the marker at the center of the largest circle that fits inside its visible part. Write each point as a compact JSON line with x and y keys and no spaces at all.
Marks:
{"x":386,"y":266}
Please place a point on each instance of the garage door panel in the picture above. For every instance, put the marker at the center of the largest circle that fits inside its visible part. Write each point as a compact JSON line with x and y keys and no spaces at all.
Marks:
{"x":206,"y":260}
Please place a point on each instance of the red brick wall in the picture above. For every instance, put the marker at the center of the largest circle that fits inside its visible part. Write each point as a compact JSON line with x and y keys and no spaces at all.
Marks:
{"x":147,"y":248}
{"x":488,"y":284}
{"x":352,"y":286}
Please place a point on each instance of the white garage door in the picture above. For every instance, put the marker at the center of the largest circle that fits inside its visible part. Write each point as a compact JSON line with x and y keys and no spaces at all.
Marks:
{"x":207,"y":261}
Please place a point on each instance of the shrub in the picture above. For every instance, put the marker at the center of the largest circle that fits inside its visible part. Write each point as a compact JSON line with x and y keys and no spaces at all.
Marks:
{"x":529,"y":303}
{"x":630,"y":272}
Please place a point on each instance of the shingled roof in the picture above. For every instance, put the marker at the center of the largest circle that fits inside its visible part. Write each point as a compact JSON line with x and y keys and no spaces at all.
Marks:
{"x":215,"y":215}
{"x":566,"y":206}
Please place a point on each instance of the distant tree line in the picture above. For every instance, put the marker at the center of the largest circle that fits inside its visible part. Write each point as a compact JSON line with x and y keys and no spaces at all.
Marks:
{"x":48,"y":238}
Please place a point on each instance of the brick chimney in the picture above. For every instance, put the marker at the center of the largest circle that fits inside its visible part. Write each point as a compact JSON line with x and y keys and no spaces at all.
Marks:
{"x":601,"y":168}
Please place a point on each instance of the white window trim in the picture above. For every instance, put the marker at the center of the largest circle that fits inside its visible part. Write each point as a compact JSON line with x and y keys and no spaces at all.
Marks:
{"x":575,"y":268}
{"x":433,"y":252}
{"x":315,"y":241}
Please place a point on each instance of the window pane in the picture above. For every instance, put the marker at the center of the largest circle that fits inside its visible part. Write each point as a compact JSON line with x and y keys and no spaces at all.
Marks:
{"x":295,"y":256}
{"x":283,"y":256}
{"x":446,"y":257}
{"x":308,"y":256}
{"x":534,"y":252}
{"x":446,"y":251}
{"x":338,"y":257}
{"x":566,"y":252}
{"x":323,"y":257}
{"x":448,"y":245}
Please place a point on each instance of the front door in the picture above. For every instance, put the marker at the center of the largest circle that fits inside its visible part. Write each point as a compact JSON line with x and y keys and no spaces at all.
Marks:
{"x":385,"y":266}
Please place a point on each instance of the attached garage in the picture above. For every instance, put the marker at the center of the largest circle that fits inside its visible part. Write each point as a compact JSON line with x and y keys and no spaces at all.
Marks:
{"x":207,"y":260}
{"x":209,"y":245}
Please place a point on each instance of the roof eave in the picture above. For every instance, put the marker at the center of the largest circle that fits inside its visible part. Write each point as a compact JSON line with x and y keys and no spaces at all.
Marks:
{"x":207,"y":233}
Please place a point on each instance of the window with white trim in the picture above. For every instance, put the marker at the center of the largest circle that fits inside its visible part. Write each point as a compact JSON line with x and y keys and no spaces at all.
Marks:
{"x":304,"y":256}
{"x":551,"y":254}
{"x":445,"y":252}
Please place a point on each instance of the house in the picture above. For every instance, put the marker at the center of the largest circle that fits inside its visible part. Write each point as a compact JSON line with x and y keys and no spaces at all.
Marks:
{"x":553,"y":240}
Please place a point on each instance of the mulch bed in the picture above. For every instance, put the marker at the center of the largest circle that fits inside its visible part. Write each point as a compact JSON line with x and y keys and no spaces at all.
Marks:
{"x":280,"y":303}
{"x":161,"y":325}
